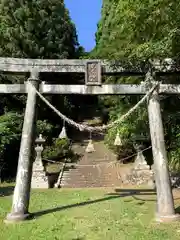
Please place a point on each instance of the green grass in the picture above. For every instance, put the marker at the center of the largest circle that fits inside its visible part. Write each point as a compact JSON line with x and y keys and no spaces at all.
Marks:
{"x":88,"y":214}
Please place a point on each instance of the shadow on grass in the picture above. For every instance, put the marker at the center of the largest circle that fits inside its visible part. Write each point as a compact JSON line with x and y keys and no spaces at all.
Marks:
{"x":6,"y":191}
{"x":118,"y":193}
{"x":78,"y":238}
{"x":140,"y":192}
{"x":57,"y":209}
{"x":134,"y":193}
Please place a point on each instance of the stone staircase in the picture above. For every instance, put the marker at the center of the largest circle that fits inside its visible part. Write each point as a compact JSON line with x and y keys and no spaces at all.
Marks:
{"x":93,"y":169}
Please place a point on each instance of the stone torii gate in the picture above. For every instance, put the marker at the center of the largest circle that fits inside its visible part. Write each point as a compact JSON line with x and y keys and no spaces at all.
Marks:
{"x":93,"y":71}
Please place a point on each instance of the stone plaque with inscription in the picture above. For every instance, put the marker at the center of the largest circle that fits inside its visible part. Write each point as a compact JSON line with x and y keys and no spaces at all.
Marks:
{"x":93,"y":73}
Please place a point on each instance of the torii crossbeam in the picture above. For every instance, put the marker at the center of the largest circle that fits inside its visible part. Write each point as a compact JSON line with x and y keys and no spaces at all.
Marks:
{"x":92,"y":70}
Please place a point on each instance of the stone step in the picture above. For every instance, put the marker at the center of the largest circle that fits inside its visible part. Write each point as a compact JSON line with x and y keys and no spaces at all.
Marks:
{"x":89,"y":182}
{"x":105,"y":181}
{"x":85,"y":170}
{"x":77,"y":178}
{"x":85,"y":185}
{"x":88,"y":164}
{"x":101,"y":178}
{"x":39,"y":184}
{"x":92,"y":177}
{"x":77,"y":175}
{"x":84,"y":174}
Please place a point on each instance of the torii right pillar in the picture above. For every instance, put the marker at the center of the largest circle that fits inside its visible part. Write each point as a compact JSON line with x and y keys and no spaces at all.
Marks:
{"x":165,"y":211}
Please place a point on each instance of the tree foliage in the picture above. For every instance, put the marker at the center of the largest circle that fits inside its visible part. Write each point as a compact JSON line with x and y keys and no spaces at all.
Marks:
{"x":139,"y":30}
{"x":33,"y":29}
{"x":36,"y":29}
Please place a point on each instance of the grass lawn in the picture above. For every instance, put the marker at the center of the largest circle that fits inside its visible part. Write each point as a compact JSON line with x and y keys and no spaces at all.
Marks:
{"x":87,"y":214}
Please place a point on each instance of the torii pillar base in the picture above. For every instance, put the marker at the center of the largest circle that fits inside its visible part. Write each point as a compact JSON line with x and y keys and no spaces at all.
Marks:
{"x":13,"y":217}
{"x":167,"y":219}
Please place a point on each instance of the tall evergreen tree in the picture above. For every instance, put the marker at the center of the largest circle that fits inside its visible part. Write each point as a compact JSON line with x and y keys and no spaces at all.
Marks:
{"x":32,"y":29}
{"x":140,"y":30}
{"x":36,"y":29}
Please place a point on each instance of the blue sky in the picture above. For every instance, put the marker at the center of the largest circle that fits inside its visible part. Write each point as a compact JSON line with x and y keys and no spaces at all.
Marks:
{"x":85,"y":14}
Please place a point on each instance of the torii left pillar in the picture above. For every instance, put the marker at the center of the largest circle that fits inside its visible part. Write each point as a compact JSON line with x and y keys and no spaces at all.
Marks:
{"x":21,"y":195}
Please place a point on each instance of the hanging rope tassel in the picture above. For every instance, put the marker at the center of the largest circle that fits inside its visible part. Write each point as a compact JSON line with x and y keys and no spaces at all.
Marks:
{"x":90,"y":146}
{"x":63,"y":133}
{"x":118,"y":141}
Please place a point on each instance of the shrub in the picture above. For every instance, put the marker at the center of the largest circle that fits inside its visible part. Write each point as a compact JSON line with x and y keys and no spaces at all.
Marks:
{"x":58,"y":150}
{"x":173,"y":160}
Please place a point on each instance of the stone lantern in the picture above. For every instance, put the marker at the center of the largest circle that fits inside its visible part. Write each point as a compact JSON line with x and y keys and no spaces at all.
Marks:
{"x":141,"y":172}
{"x":140,"y":161}
{"x":39,"y":148}
{"x":39,"y":178}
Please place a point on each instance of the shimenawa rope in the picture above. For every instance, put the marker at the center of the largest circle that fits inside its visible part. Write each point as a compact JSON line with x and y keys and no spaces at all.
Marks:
{"x":84,"y":127}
